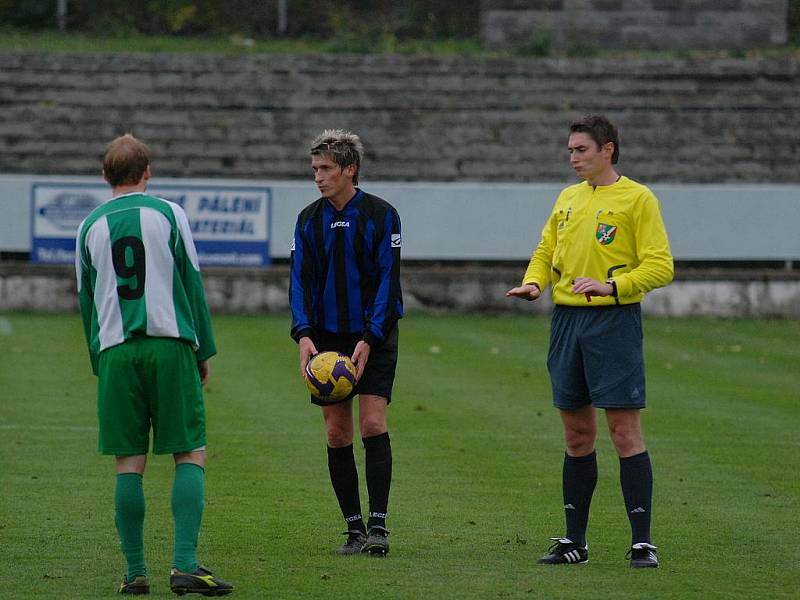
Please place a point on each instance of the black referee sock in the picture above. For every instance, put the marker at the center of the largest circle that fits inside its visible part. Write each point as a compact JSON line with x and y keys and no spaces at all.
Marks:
{"x":636,"y":478}
{"x":379,"y":477}
{"x":579,"y":478}
{"x":344,"y":477}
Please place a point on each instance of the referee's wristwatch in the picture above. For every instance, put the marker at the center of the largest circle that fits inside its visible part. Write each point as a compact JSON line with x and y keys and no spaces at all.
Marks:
{"x":613,"y":287}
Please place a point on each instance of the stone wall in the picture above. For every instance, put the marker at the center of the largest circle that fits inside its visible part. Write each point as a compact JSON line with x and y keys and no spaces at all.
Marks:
{"x":586,"y":25}
{"x":449,"y":289}
{"x":422,"y":118}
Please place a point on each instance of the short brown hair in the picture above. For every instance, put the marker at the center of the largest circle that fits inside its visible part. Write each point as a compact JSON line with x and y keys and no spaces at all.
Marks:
{"x":601,"y":130}
{"x":125,"y":161}
{"x":342,"y":147}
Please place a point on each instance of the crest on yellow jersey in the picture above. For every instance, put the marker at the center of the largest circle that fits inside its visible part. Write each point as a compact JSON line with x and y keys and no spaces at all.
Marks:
{"x":605,"y":233}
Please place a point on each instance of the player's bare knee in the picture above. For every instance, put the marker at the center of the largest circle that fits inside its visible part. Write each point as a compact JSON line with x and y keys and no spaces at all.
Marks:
{"x":195,"y":457}
{"x":579,"y":442}
{"x":580,"y":433}
{"x":373,"y":426}
{"x":339,"y":436}
{"x":627,"y":442}
{"x":580,"y":449}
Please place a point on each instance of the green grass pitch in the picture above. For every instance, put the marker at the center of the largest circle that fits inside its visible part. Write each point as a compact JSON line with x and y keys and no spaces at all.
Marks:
{"x":477,"y":462}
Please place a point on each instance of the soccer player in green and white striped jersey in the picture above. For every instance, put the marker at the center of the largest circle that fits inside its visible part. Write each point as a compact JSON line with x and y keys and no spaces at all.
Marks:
{"x":148,"y":329}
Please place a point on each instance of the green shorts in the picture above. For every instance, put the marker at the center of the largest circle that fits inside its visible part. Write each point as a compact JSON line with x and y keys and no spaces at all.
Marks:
{"x":150,"y":382}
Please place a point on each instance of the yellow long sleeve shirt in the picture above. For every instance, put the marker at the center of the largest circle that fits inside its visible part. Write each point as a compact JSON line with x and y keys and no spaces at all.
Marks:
{"x":613,"y":232}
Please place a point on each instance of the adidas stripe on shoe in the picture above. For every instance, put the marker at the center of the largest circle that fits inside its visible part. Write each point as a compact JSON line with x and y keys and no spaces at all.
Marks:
{"x":565,"y":552}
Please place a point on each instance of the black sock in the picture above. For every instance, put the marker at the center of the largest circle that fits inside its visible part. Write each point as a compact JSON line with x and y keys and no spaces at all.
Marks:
{"x":379,"y":477}
{"x":636,"y":477}
{"x":344,"y":477}
{"x":579,"y":478}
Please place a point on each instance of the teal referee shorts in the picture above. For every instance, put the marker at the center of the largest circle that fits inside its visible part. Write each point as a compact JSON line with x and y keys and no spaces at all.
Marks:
{"x":596,"y":357}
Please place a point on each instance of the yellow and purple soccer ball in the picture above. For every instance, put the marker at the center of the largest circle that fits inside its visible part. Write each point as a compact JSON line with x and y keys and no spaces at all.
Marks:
{"x":330,"y":377}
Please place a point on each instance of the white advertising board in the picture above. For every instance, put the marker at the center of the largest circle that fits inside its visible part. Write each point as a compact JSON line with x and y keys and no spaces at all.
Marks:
{"x":230,"y":224}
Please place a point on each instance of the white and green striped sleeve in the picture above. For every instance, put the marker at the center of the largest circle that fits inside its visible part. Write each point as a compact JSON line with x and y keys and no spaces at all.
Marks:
{"x":188,"y":267}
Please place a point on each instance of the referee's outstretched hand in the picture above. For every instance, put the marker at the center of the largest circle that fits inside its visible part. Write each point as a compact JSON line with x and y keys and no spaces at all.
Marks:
{"x":526,"y":292}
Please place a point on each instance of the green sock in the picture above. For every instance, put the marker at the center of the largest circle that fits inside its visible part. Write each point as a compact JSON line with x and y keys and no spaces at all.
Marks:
{"x":129,"y":518}
{"x":187,"y":510}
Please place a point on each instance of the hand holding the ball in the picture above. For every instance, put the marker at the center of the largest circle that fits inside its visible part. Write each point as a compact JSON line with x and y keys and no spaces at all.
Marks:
{"x":307,"y":350}
{"x":330,"y":377}
{"x":360,"y":358}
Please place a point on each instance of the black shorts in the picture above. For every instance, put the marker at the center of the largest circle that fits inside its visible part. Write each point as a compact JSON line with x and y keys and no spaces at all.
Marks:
{"x":378,"y":377}
{"x":596,"y":357}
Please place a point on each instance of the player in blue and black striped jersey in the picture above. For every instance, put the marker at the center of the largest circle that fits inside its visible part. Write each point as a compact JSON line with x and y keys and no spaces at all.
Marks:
{"x":345,"y":296}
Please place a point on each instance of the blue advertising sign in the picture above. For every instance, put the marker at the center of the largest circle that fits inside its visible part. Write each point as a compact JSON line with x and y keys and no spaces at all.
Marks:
{"x":230,"y":224}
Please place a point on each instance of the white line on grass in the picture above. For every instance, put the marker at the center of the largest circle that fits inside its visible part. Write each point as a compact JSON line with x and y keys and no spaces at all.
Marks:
{"x":8,"y":426}
{"x":5,"y":327}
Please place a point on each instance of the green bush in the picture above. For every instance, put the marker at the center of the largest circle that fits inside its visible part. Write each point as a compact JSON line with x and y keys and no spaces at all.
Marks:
{"x":793,"y":21}
{"x":341,"y":21}
{"x":28,"y":14}
{"x":539,"y":43}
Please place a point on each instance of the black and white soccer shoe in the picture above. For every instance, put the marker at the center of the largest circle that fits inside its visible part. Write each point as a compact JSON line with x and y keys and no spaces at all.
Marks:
{"x":643,"y":556}
{"x":565,"y":552}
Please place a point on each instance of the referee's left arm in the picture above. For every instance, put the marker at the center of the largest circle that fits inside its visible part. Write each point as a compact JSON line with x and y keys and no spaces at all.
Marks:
{"x":656,"y":266}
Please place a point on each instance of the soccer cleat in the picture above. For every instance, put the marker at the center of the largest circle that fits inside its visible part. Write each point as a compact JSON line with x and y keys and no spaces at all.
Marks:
{"x":565,"y":552}
{"x":377,"y":544}
{"x":354,"y":544}
{"x":139,"y":585}
{"x":202,"y":581}
{"x":643,"y":556}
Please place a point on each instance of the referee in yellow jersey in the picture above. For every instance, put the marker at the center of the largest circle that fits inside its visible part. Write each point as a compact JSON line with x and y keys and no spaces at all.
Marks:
{"x":602,"y":249}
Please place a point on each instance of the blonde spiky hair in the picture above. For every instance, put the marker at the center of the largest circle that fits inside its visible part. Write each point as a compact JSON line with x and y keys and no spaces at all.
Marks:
{"x":343,"y":147}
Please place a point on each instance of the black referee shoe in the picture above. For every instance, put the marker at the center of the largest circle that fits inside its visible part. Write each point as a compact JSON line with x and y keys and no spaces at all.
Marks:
{"x":643,"y":556}
{"x":202,"y":581}
{"x":565,"y":552}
